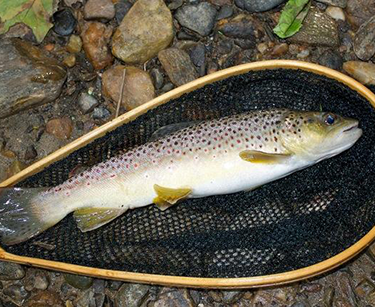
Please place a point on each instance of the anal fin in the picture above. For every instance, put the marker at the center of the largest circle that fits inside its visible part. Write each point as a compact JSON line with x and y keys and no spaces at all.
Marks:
{"x":254,"y":156}
{"x":168,"y":196}
{"x":92,"y":218}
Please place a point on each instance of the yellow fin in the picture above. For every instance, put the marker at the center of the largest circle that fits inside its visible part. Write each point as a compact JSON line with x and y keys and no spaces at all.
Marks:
{"x":168,"y":197}
{"x":254,"y":156}
{"x":91,"y":218}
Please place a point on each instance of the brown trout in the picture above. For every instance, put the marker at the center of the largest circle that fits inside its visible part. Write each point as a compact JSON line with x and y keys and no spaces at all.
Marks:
{"x":221,"y":156}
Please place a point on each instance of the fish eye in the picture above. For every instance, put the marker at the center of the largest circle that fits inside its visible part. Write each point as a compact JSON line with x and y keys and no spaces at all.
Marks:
{"x":329,"y":120}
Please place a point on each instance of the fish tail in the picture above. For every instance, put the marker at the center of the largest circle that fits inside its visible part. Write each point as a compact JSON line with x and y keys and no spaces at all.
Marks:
{"x":24,"y":214}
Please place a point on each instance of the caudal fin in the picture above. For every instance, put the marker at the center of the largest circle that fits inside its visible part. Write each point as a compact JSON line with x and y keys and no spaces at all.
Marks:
{"x":24,"y":214}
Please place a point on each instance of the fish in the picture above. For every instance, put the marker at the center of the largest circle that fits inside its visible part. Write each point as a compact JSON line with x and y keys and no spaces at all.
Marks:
{"x":188,"y":160}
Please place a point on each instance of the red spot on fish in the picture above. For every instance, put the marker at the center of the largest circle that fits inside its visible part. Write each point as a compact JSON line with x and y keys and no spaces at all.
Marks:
{"x":88,"y":183}
{"x":135,"y":165}
{"x":113,"y":175}
{"x":238,"y":141}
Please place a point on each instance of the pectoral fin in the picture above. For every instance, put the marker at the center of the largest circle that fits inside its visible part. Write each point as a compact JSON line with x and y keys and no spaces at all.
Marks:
{"x":91,"y":218}
{"x":254,"y":156}
{"x":168,"y":197}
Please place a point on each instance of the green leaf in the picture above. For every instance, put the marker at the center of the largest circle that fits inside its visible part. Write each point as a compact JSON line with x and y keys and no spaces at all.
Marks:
{"x":292,"y":17}
{"x":33,"y":13}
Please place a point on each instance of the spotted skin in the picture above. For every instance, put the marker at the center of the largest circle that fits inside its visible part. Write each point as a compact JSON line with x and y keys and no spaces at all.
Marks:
{"x":205,"y":159}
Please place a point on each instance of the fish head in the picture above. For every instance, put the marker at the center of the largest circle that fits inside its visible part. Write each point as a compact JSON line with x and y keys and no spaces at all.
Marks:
{"x":318,"y":135}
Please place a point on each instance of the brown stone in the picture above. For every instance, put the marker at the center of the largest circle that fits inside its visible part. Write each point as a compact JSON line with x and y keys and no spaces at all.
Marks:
{"x":318,"y":29}
{"x":362,"y":71}
{"x":74,"y":44}
{"x":138,"y":86}
{"x":60,"y":127}
{"x":99,"y":9}
{"x":145,"y":30}
{"x":95,"y":37}
{"x":44,"y":299}
{"x":177,"y":65}
{"x":280,"y":49}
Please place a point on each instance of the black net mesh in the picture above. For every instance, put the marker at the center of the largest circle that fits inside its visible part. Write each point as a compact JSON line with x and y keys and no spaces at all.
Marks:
{"x":285,"y":225}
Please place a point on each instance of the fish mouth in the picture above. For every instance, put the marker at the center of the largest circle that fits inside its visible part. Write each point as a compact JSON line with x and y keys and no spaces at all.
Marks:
{"x":352,"y":127}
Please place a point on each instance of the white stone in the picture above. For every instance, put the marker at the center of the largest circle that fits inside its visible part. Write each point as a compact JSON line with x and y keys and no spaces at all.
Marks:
{"x":336,"y":13}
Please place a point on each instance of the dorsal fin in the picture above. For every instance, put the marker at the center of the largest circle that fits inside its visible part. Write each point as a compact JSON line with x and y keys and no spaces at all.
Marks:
{"x":169,"y":129}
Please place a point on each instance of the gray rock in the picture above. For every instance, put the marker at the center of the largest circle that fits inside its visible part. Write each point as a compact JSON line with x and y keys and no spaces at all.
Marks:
{"x":257,"y":5}
{"x":30,"y":153}
{"x":27,"y":77}
{"x":364,"y":41}
{"x":242,"y":26}
{"x":98,"y":285}
{"x":331,"y":59}
{"x":177,"y":65}
{"x":226,"y":11}
{"x":167,"y":87}
{"x":131,"y":295}
{"x":318,"y":29}
{"x":64,"y":22}
{"x":17,"y":293}
{"x":339,"y":3}
{"x":199,"y":18}
{"x":230,"y":297}
{"x":99,"y":9}
{"x":41,"y":282}
{"x":78,"y":281}
{"x":139,"y":37}
{"x":359,"y":11}
{"x":157,"y":77}
{"x":101,"y":113}
{"x":198,"y":54}
{"x":175,"y":4}
{"x":87,"y":103}
{"x":177,"y":298}
{"x":122,"y":8}
{"x":299,"y":304}
{"x":11,"y":271}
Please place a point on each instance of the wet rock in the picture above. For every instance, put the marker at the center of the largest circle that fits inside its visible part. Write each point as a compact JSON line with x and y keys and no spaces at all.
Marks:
{"x":64,"y":22}
{"x":199,"y":18}
{"x":311,"y":287}
{"x":257,"y":5}
{"x":95,"y":37}
{"x":281,"y":49}
{"x":230,"y":297}
{"x":114,"y":284}
{"x":198,"y":55}
{"x":78,"y":281}
{"x":167,"y":87}
{"x":74,"y":44}
{"x":11,"y":271}
{"x":331,"y":59}
{"x":138,"y":86}
{"x":157,"y":77}
{"x":98,"y":285}
{"x":175,"y":4}
{"x":101,"y":113}
{"x":177,"y":298}
{"x":145,"y":30}
{"x":60,"y":127}
{"x":87,"y":103}
{"x":122,"y":8}
{"x":217,"y":296}
{"x":44,"y":299}
{"x":242,"y":26}
{"x":362,"y":71}
{"x":359,"y":11}
{"x":364,"y":41}
{"x":225,"y":12}
{"x":318,"y":30}
{"x":339,"y":3}
{"x":69,"y":60}
{"x":220,"y":2}
{"x":27,"y":77}
{"x":17,"y":293}
{"x":336,"y":13}
{"x":131,"y":295}
{"x":99,"y":9}
{"x":177,"y":65}
{"x":30,"y":153}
